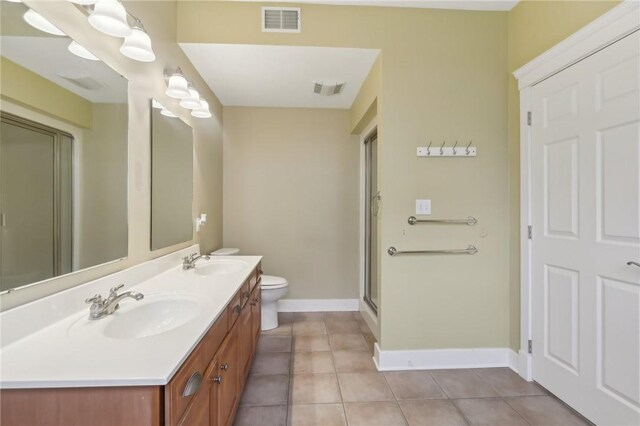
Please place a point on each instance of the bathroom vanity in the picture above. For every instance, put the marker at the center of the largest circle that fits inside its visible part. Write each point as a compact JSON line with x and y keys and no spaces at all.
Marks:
{"x":135,"y":367}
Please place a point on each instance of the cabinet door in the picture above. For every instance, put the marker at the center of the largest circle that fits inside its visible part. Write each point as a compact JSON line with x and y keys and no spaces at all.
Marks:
{"x":228,"y":370}
{"x":256,"y":313}
{"x":199,"y":412}
{"x":246,"y":343}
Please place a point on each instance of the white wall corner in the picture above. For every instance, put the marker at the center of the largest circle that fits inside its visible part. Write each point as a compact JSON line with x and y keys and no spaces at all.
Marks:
{"x":432,"y":359}
{"x":317,"y":305}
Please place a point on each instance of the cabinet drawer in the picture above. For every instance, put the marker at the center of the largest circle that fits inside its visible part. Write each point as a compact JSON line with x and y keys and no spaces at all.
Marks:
{"x":186,"y":383}
{"x":234,"y":309}
{"x":245,"y":293}
{"x":214,"y":337}
{"x":255,"y":276}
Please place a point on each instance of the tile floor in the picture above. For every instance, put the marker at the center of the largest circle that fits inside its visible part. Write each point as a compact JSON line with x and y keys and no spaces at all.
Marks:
{"x":316,"y":369}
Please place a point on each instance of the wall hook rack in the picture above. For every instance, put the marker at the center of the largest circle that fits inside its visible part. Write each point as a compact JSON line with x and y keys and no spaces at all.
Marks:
{"x":454,"y":151}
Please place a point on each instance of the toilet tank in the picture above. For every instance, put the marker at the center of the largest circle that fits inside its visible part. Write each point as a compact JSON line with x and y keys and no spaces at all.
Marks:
{"x":225,"y":252}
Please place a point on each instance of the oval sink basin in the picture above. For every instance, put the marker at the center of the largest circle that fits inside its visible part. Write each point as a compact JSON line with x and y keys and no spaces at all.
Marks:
{"x":153,"y":315}
{"x":151,"y":319}
{"x":220,"y":267}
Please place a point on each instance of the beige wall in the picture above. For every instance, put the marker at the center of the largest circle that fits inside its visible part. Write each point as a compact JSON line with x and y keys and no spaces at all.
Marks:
{"x":443,"y":75}
{"x":291,"y":194}
{"x":534,"y":27}
{"x":18,"y":84}
{"x":145,"y":81}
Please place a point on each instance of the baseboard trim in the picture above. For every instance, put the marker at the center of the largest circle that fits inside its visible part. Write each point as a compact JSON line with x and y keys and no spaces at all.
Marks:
{"x":317,"y":305}
{"x":432,"y":359}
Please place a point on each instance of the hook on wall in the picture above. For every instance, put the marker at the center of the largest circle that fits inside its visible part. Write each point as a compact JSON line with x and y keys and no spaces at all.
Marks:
{"x":442,"y":151}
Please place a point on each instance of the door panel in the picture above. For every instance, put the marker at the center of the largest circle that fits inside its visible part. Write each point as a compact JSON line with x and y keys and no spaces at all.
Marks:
{"x":585,"y":186}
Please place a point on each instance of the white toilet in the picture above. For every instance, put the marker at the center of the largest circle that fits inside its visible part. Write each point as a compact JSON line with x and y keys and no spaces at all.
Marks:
{"x":272,"y":290}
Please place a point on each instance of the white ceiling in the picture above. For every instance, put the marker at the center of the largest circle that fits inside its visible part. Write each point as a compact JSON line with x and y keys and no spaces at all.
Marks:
{"x":496,"y":5}
{"x":49,"y":57}
{"x":280,"y":76}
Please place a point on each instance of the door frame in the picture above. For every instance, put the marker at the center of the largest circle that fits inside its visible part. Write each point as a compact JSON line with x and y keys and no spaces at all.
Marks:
{"x":370,"y":317}
{"x":617,"y":23}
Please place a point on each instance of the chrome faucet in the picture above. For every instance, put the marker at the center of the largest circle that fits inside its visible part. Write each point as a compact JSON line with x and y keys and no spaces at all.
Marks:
{"x":189,"y":262}
{"x":101,"y":307}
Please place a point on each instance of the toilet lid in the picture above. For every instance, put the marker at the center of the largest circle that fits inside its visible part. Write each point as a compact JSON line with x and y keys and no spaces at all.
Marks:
{"x":273,"y":282}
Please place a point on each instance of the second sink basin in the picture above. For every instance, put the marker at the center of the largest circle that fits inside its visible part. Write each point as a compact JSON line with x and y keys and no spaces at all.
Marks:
{"x":220,"y":267}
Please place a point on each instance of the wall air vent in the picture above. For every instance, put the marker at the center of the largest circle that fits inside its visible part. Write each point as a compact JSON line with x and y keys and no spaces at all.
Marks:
{"x":281,"y":19}
{"x":83,"y":81}
{"x":327,"y":89}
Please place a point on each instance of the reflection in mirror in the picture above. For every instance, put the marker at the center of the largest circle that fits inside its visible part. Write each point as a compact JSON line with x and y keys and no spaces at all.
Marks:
{"x":171,"y":178}
{"x":63,"y":156}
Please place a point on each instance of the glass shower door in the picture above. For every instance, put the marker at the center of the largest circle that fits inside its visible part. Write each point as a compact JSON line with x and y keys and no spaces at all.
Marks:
{"x":372,"y":199}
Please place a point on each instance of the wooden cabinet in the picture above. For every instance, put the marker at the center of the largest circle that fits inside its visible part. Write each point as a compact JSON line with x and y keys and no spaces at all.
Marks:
{"x":256,"y":312}
{"x":205,"y":391}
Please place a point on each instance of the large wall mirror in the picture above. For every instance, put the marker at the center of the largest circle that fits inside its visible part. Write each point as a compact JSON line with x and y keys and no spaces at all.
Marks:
{"x":63,"y":155}
{"x":171,"y":178}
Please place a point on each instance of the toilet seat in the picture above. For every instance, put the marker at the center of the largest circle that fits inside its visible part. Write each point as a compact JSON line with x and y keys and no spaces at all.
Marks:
{"x":270,"y":282}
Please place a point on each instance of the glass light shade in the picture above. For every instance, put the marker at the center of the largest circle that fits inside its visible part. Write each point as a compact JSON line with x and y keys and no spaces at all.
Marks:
{"x":203,"y":111}
{"x":167,"y":113}
{"x":84,"y":2}
{"x":79,"y":50}
{"x":156,"y":104}
{"x":110,"y":17}
{"x":178,"y":87}
{"x":39,"y":22}
{"x":193,"y":101}
{"x":137,"y":46}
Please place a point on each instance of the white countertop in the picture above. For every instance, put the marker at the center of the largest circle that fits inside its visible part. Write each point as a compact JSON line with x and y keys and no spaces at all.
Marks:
{"x":56,"y":357}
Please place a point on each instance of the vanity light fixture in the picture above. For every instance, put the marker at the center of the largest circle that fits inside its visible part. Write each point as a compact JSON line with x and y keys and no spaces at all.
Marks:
{"x":39,"y":22}
{"x":168,"y":113}
{"x":84,"y":2}
{"x":203,"y":111}
{"x":110,"y":17}
{"x":193,"y":101}
{"x":177,"y":86}
{"x":137,"y":45}
{"x":79,"y":50}
{"x":155,"y":104}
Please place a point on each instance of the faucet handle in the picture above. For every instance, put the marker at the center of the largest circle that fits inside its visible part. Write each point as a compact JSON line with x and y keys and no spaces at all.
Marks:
{"x":95,"y":299}
{"x":116,"y":288}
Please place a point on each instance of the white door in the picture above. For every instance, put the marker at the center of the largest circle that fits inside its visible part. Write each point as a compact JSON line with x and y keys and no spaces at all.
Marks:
{"x":586,"y":227}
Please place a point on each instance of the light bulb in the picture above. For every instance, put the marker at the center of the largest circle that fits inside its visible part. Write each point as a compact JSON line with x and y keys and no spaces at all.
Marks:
{"x":137,"y":46}
{"x":79,"y":50}
{"x":110,"y":17}
{"x":39,"y":22}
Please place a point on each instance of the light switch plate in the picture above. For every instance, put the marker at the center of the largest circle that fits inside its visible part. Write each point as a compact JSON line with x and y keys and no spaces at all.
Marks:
{"x":423,"y":206}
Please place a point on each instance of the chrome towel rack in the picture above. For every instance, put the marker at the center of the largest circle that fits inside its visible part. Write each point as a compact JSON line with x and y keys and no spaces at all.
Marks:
{"x":469,"y":250}
{"x":471,"y":221}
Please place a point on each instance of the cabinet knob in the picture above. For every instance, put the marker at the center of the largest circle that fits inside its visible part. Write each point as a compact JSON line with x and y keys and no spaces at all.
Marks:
{"x":237,"y":309}
{"x":224,"y":367}
{"x":217,"y":379}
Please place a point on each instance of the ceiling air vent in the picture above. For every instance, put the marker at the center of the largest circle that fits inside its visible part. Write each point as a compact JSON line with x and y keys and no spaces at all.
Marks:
{"x":281,"y":19}
{"x":327,"y":89}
